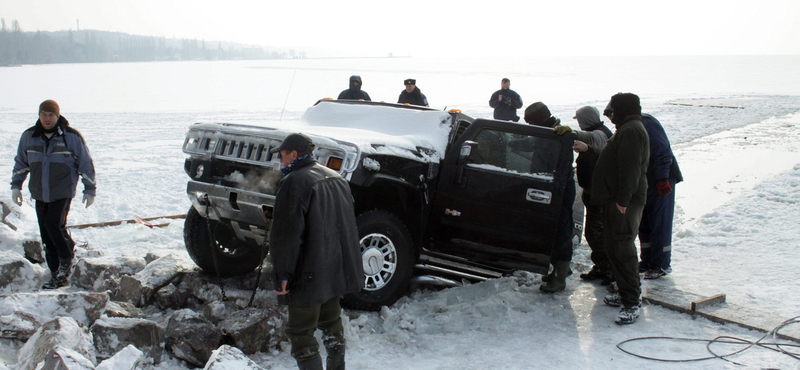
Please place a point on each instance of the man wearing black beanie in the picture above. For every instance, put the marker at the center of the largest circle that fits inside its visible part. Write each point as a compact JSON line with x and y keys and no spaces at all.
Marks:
{"x":537,"y":114}
{"x":619,"y":185}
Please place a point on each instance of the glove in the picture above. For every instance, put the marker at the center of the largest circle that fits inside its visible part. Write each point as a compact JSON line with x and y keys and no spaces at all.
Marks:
{"x":88,"y":199}
{"x":663,"y":187}
{"x":16,"y":195}
{"x":561,"y":130}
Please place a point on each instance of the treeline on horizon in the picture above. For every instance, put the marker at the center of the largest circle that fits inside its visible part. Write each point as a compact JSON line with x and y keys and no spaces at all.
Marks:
{"x":92,"y":46}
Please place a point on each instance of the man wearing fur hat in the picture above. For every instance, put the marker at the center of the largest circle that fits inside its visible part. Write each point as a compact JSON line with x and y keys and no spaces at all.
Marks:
{"x":412,"y":94}
{"x":619,"y":185}
{"x":538,"y":114}
{"x":55,"y":155}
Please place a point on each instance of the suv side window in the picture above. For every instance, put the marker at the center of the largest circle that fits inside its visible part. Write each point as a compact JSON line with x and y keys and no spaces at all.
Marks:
{"x":518,"y":153}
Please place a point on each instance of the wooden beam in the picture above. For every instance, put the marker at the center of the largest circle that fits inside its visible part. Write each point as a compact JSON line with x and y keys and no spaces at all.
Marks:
{"x":120,"y":222}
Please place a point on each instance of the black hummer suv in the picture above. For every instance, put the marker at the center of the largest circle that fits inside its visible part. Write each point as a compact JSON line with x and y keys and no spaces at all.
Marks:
{"x":441,"y":198}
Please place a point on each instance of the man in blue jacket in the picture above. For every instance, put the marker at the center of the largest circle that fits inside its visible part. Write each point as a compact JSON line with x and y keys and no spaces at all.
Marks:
{"x":505,"y":102}
{"x":655,"y":230}
{"x":55,"y":155}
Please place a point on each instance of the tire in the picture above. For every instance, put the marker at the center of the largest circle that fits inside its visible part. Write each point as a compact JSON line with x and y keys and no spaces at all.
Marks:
{"x":234,"y":257}
{"x":388,"y":256}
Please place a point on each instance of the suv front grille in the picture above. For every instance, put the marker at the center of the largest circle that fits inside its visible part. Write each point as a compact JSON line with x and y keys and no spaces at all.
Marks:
{"x":243,"y":150}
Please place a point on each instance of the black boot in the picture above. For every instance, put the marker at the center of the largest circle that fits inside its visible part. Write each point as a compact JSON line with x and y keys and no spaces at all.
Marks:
{"x":53,"y":283}
{"x":549,"y":277}
{"x":335,"y":357}
{"x":559,"y":282}
{"x":310,"y":363}
{"x":64,"y":269}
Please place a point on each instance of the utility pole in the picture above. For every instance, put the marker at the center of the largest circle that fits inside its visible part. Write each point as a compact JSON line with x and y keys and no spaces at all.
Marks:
{"x":79,"y":24}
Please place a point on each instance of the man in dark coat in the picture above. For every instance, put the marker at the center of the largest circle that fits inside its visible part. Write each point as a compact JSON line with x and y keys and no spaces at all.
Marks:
{"x":593,"y":133}
{"x":315,"y":252}
{"x":655,"y":230}
{"x":505,"y":102}
{"x":412,"y":94}
{"x":354,"y":92}
{"x":56,"y":156}
{"x":619,"y":185}
{"x":538,"y":114}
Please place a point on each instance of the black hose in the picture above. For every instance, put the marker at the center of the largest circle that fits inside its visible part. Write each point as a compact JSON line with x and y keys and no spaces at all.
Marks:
{"x":772,"y":346}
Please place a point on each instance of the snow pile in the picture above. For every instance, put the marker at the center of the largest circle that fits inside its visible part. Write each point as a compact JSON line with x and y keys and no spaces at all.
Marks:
{"x":18,"y":274}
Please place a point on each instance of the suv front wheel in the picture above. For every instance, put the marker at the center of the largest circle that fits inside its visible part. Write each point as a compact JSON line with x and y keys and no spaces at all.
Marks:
{"x":387,"y":255}
{"x":233,"y":256}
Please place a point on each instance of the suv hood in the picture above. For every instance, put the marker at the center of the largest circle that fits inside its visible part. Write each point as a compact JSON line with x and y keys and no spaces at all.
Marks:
{"x":418,"y":134}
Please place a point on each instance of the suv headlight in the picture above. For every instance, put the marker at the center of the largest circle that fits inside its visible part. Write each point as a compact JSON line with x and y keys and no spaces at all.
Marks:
{"x":191,"y":144}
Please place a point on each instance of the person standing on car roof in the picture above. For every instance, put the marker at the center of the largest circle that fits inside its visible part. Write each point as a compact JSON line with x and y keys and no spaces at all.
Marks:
{"x":505,"y":102}
{"x":538,"y":114}
{"x":354,"y":92}
{"x":315,"y":252}
{"x":619,"y":185}
{"x":594,"y":133}
{"x":412,"y":94}
{"x":55,"y":155}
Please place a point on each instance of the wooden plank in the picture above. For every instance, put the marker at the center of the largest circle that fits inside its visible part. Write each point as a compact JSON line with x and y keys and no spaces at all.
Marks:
{"x":718,"y":311}
{"x":120,"y":222}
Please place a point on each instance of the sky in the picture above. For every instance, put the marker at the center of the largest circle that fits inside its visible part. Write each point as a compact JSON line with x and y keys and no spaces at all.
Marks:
{"x":442,"y":28}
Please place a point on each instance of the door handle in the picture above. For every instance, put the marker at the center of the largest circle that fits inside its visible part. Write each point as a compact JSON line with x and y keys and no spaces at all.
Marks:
{"x":538,"y":196}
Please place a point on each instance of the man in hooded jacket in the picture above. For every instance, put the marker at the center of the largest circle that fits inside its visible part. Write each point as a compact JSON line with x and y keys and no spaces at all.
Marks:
{"x":595,"y":134}
{"x":315,"y":252}
{"x":55,"y":155}
{"x":354,"y":92}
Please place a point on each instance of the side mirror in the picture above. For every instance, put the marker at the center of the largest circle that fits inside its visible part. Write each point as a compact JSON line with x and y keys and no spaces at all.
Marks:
{"x":466,"y":150}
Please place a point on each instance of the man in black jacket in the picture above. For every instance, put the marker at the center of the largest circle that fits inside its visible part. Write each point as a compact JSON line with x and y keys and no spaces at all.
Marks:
{"x":505,"y":102}
{"x":412,"y":94}
{"x":315,"y":252}
{"x":619,"y":185}
{"x":354,"y":92}
{"x":537,"y":114}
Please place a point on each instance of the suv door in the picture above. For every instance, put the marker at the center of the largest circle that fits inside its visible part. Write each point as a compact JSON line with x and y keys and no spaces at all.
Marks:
{"x":499,"y":205}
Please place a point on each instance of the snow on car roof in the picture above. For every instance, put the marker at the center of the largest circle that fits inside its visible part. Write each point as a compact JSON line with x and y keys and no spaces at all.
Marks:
{"x":379,"y":128}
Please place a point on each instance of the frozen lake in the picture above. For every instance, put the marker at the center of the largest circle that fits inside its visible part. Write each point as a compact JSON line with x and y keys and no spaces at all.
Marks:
{"x":458,"y":82}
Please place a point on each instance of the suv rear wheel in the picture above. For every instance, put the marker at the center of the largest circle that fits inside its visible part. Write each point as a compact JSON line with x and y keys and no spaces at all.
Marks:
{"x":234,"y":257}
{"x":388,"y":257}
